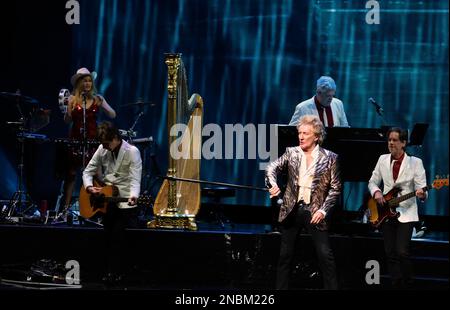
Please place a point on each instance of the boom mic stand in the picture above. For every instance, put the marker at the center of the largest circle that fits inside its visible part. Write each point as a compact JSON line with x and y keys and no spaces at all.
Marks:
{"x":379,"y":110}
{"x":131,"y":130}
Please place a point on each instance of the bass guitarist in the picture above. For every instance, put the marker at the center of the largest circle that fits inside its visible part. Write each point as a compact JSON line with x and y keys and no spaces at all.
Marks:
{"x":121,"y":165}
{"x":399,"y":170}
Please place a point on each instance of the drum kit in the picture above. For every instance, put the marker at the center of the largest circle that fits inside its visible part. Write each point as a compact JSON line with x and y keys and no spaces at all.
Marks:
{"x":31,"y":119}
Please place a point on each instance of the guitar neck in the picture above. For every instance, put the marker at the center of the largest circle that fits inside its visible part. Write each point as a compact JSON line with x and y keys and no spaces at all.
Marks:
{"x":116,"y":199}
{"x":144,"y":199}
{"x":397,"y":200}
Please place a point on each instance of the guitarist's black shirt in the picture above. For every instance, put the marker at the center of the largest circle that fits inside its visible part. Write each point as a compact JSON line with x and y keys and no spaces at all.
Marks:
{"x":115,"y":152}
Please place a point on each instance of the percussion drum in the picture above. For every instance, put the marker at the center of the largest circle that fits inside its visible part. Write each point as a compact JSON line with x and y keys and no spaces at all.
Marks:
{"x":69,"y":153}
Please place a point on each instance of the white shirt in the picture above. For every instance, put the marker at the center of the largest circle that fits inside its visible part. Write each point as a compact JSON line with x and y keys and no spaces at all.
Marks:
{"x":124,"y":171}
{"x":306,"y":175}
{"x":410,"y":178}
{"x":308,"y":107}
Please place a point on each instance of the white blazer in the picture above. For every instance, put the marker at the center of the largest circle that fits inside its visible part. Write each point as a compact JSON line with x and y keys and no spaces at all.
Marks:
{"x":410,"y":178}
{"x":308,"y":107}
{"x":124,"y":172}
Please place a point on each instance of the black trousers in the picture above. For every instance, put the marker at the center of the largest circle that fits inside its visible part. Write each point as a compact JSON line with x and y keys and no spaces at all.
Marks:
{"x":115,"y":222}
{"x":397,"y":237}
{"x":290,"y":230}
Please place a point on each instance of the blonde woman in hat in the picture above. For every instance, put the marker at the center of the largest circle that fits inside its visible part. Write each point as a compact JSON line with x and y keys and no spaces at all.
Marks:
{"x":84,"y":95}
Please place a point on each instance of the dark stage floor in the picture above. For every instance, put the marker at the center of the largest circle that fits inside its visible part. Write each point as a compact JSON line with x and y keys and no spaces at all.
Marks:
{"x":233,"y":257}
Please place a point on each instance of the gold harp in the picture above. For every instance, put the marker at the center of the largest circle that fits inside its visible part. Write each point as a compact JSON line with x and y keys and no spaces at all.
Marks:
{"x":178,"y":202}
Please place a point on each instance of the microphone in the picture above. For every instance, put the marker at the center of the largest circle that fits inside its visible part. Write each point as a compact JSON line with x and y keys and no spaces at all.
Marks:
{"x":278,"y":198}
{"x":377,"y":106}
{"x":126,"y":133}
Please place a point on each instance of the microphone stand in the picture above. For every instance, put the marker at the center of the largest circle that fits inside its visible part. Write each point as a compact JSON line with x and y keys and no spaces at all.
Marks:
{"x":132,"y":134}
{"x":67,"y":209}
{"x":131,"y":130}
{"x":262,"y":189}
{"x":380,"y":113}
{"x":219,"y":215}
{"x":84,"y":130}
{"x":85,"y":151}
{"x":379,"y":110}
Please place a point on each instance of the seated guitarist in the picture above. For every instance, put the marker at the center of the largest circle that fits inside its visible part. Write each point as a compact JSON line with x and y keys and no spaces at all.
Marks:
{"x":400,"y":170}
{"x":121,"y":166}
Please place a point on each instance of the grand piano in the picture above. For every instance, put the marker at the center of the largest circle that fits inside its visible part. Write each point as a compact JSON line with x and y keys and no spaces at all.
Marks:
{"x":358,"y":148}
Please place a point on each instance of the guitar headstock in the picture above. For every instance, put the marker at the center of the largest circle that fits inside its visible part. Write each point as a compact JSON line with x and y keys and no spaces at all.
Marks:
{"x":439,"y":182}
{"x":145,"y":200}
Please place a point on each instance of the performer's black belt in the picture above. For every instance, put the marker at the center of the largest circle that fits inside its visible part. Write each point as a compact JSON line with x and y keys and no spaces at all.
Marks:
{"x":302,"y":204}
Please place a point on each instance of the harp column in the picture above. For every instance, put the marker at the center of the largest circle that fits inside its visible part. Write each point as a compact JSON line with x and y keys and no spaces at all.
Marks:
{"x":173,"y":64}
{"x":178,"y":202}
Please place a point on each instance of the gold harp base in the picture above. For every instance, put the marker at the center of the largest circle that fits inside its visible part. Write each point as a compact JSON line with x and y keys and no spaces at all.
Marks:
{"x":176,"y":221}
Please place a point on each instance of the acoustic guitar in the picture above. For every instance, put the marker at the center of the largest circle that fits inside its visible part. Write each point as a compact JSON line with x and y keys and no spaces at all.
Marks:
{"x":91,"y":204}
{"x":379,"y":213}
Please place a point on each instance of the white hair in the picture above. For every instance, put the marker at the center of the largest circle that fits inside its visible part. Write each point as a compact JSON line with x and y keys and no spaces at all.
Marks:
{"x":325,"y":83}
{"x":316,"y":124}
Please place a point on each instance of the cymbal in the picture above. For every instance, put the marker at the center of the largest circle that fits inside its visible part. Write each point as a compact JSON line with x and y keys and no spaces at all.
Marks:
{"x":17,"y":97}
{"x":39,"y":119}
{"x":138,"y":103}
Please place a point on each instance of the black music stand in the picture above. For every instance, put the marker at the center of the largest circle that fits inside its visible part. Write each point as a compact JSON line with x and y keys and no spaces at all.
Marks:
{"x":358,"y":148}
{"x":216,"y":194}
{"x":418,"y":134}
{"x":287,"y":137}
